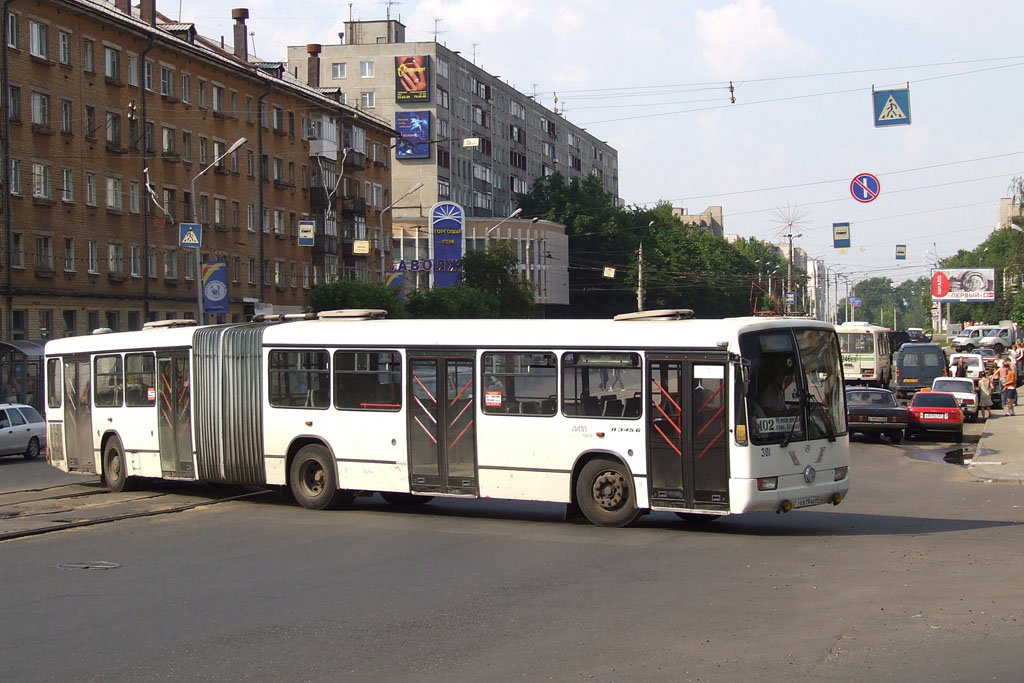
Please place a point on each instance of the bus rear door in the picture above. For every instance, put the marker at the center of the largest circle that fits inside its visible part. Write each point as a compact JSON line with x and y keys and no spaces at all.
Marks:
{"x":688,"y":454}
{"x":441,"y":423}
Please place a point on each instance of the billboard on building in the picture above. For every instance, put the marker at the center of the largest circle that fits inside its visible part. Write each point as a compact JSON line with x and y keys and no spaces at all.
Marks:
{"x":447,"y":225}
{"x":215,"y":286}
{"x":414,"y":127}
{"x":412,"y":79}
{"x":964,"y":284}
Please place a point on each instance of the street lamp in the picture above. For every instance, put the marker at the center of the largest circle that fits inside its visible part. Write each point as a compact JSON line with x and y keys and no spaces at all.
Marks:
{"x":195,"y":219}
{"x":380,"y":220}
{"x":506,"y":218}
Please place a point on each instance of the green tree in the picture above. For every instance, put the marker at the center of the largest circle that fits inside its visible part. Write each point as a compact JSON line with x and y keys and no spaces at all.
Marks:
{"x":453,"y":302}
{"x":354,"y":294}
{"x":496,"y":271}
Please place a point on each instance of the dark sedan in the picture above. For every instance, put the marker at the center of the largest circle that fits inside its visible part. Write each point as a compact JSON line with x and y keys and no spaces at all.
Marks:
{"x":875,"y":411}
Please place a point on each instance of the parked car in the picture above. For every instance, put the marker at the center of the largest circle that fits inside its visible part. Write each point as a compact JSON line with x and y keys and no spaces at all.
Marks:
{"x":935,"y":411}
{"x":875,"y":411}
{"x":974,"y":362}
{"x":917,"y":365}
{"x":964,"y":390}
{"x":970,"y":337}
{"x":916,"y":334}
{"x":990,"y":357}
{"x":22,"y":430}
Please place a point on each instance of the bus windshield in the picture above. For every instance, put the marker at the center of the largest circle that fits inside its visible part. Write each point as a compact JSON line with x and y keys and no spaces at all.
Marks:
{"x":796,"y":386}
{"x":856,"y":342}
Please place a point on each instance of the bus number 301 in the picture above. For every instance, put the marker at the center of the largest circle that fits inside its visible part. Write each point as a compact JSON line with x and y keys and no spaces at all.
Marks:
{"x":766,"y":452}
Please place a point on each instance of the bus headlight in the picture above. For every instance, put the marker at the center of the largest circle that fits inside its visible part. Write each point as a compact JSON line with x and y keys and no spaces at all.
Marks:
{"x":841,"y":472}
{"x":767,"y":483}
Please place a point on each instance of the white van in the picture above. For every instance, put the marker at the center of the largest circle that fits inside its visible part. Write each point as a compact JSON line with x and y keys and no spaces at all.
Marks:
{"x":969,"y":337}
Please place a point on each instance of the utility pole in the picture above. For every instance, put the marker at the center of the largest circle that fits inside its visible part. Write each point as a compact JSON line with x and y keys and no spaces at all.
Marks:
{"x":640,"y":278}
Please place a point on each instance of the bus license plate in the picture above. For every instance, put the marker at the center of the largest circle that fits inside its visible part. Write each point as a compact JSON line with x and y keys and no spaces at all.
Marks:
{"x":809,"y":500}
{"x":876,"y":419}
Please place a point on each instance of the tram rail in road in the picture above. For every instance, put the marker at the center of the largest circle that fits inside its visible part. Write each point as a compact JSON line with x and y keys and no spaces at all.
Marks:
{"x":30,"y":512}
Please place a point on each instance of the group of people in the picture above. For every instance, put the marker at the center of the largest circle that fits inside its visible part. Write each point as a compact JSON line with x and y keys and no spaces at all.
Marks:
{"x":1004,"y":380}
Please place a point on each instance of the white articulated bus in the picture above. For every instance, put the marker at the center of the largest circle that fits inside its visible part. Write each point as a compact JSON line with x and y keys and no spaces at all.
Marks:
{"x":867,"y":358}
{"x":612,"y":417}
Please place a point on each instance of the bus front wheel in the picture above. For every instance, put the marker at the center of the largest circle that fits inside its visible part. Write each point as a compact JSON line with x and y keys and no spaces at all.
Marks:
{"x":604,"y":492}
{"x":314,"y":479}
{"x":115,"y":474}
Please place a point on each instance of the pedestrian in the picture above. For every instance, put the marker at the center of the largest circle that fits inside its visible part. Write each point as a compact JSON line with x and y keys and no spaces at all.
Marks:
{"x":985,"y":396}
{"x":1009,"y":389}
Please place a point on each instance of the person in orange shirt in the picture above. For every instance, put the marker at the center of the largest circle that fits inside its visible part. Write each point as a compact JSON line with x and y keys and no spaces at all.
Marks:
{"x":1009,"y":389}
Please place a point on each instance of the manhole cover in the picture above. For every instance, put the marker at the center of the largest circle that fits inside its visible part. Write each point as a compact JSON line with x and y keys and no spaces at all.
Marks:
{"x":88,"y":565}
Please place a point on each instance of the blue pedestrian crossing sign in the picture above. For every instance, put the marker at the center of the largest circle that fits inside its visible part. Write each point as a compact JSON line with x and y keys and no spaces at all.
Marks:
{"x":191,"y":235}
{"x":891,"y":107}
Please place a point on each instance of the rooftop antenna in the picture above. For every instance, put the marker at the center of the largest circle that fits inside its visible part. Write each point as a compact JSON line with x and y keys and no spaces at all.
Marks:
{"x":252,"y":37}
{"x":474,"y":53}
{"x":555,"y":109}
{"x":436,"y":31}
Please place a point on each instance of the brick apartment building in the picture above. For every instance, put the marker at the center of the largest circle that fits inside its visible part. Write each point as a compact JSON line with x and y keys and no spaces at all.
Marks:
{"x":102,"y":96}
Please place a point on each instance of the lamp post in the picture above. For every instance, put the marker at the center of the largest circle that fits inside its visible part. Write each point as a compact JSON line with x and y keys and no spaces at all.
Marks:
{"x":506,"y":218}
{"x":195,"y":219}
{"x":380,"y":218}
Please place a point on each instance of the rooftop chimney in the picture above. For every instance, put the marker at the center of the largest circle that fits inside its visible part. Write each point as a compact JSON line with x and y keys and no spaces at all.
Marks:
{"x":241,"y":35}
{"x":123,"y":6}
{"x":147,"y":11}
{"x":313,"y":65}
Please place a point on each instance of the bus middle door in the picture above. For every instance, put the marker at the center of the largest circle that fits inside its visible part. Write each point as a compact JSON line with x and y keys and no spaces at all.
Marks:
{"x":174,"y":408}
{"x":441,"y":423}
{"x":78,"y":445}
{"x":688,"y":454}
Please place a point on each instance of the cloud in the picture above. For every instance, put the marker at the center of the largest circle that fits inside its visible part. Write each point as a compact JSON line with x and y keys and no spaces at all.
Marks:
{"x":742,"y":37}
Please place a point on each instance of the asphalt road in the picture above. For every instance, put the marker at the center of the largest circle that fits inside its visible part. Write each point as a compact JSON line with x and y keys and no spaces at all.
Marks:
{"x":916,"y":576}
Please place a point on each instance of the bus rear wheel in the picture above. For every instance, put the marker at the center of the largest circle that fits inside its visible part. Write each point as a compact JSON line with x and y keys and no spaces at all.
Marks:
{"x":314,"y":480}
{"x":604,"y":492}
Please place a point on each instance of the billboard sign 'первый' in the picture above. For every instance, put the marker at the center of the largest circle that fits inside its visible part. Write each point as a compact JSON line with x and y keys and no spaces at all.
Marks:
{"x":964,"y":284}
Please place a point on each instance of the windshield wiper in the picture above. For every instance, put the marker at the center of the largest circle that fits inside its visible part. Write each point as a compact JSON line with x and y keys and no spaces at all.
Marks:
{"x":796,"y":421}
{"x":830,"y":428}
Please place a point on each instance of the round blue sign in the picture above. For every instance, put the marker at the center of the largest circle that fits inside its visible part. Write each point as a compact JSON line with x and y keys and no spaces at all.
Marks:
{"x":865,"y":187}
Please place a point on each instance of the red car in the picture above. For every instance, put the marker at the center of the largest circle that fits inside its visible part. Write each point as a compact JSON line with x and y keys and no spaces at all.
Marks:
{"x":935,"y":411}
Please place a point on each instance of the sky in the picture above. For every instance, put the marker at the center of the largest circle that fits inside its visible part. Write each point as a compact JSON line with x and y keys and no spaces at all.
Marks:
{"x":652,"y":78}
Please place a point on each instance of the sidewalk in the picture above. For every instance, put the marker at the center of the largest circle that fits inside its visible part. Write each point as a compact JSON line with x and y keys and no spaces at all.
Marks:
{"x":1000,"y":453}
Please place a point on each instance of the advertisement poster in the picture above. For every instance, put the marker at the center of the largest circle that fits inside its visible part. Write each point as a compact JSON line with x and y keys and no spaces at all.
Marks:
{"x":215,"y":286}
{"x":447,"y":223}
{"x":396,"y":281}
{"x":964,"y":284}
{"x":414,"y":127}
{"x":412,"y":79}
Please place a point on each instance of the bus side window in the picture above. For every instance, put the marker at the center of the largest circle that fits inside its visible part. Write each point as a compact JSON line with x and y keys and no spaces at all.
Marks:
{"x":109,"y":381}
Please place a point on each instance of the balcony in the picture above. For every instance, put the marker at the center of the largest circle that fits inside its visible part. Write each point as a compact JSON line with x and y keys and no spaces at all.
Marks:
{"x":319,"y":198}
{"x":353,"y":206}
{"x":356,"y":161}
{"x":325,"y":245}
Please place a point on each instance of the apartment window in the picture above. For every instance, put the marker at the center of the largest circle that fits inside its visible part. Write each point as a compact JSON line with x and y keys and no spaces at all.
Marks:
{"x":367,"y":100}
{"x":114,"y":200}
{"x":278,"y":118}
{"x":136,"y":261}
{"x":88,"y":55}
{"x":94,"y":257}
{"x":67,"y":185}
{"x":202,"y":151}
{"x":366,"y":69}
{"x":265,"y":220}
{"x":252,"y":271}
{"x":41,"y":181}
{"x":218,"y":98}
{"x":378,"y":196}
{"x":442,"y":66}
{"x":338,"y":70}
{"x":64,"y":47}
{"x":133,"y":70}
{"x":12,"y":31}
{"x":278,"y":168}
{"x":115,"y":258}
{"x":112,"y":63}
{"x":219,"y":211}
{"x":292,"y":277}
{"x":169,"y":203}
{"x":278,"y":221}
{"x":114,"y":129}
{"x":250,"y":163}
{"x":218,"y":152}
{"x":65,"y":116}
{"x":90,"y":122}
{"x":150,"y":135}
{"x":204,"y":208}
{"x":17,"y":250}
{"x":248,"y":109}
{"x":69,"y":254}
{"x":236,"y":264}
{"x":16,"y":176}
{"x":444,"y":188}
{"x":442,"y":97}
{"x":14,"y":102}
{"x":37,"y":39}
{"x":166,"y":82}
{"x":251,"y":218}
{"x":186,"y":146}
{"x":202,"y":93}
{"x":233,"y":98}
{"x":170,"y":264}
{"x":278,"y":275}
{"x":133,"y":196}
{"x":235,"y":209}
{"x":305,"y":276}
{"x":90,"y":188}
{"x":186,"y":88}
{"x":133,"y":133}
{"x":41,"y":109}
{"x":147,"y":76}
{"x":168,"y":139}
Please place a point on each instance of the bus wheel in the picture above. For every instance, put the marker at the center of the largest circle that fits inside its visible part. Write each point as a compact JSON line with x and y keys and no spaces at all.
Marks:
{"x":314,"y":479}
{"x":605,"y":493}
{"x":115,"y":477}
{"x":32,"y":452}
{"x":406,"y":500}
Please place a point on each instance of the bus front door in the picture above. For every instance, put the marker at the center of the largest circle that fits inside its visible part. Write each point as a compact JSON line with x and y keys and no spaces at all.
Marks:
{"x":174,"y":408}
{"x":688,"y":439}
{"x":78,"y":446}
{"x":442,"y":428}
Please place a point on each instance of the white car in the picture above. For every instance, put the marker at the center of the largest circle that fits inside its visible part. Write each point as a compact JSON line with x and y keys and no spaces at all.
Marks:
{"x":964,"y":390}
{"x":975,"y":363}
{"x":22,"y":431}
